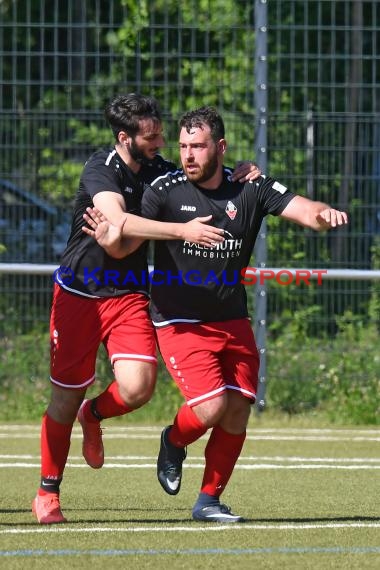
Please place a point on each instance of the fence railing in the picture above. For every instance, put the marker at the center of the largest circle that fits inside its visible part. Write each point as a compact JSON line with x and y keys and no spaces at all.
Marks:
{"x":278,"y":272}
{"x":31,"y":299}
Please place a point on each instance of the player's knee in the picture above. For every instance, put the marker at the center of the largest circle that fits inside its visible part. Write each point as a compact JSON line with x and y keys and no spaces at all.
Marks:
{"x":235,"y":419}
{"x":137,"y":393}
{"x":136,"y":382}
{"x":211,"y":411}
{"x":64,"y":404}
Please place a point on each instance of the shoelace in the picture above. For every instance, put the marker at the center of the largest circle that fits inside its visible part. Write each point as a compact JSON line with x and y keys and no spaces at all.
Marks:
{"x":224,"y":509}
{"x":53,"y":502}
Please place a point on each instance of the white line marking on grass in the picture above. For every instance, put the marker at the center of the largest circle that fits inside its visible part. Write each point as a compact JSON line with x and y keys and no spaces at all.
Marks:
{"x":240,"y":465}
{"x":199,"y":458}
{"x":217,"y":527}
{"x":106,"y":436}
{"x":29,"y":431}
{"x":197,"y":462}
{"x":309,"y":438}
{"x":345,"y":431}
{"x":311,"y":459}
{"x":305,"y":466}
{"x":19,"y":456}
{"x":195,"y":551}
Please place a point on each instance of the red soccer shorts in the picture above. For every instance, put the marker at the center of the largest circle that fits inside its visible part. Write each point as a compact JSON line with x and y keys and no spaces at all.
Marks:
{"x":78,"y":325}
{"x":206,"y":359}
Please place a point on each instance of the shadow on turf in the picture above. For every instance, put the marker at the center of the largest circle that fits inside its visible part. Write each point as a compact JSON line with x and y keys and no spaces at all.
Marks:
{"x":171,"y":520}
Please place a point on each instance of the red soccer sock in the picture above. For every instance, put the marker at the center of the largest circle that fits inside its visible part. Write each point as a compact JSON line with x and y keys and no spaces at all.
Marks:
{"x":221,"y":453}
{"x":108,"y":404}
{"x":55,"y":445}
{"x":187,"y":428}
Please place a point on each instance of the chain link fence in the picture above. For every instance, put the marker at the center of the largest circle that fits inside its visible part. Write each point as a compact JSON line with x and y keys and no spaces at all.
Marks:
{"x":298,"y":86}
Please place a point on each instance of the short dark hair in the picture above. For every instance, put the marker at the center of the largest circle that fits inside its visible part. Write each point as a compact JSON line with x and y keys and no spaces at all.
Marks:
{"x":124,"y":112}
{"x":204,"y":116}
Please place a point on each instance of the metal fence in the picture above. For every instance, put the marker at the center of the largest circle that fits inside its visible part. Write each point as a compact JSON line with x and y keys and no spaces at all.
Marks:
{"x":297,"y":83}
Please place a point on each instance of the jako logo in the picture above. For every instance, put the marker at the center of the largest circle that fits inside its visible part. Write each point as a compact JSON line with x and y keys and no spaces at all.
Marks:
{"x":188,"y":208}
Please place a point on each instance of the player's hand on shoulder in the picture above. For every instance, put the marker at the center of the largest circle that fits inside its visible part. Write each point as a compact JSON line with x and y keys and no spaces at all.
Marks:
{"x":245,"y":171}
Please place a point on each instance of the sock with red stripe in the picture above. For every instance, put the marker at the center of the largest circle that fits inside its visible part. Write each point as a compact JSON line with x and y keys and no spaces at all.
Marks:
{"x":186,"y":427}
{"x":108,"y":404}
{"x":222,"y":451}
{"x":55,"y":445}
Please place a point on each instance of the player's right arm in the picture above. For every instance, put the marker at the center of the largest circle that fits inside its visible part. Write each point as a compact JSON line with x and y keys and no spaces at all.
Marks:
{"x":120,"y":233}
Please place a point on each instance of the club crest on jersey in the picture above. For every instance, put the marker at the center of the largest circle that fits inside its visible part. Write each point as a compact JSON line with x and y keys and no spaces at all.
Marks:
{"x":231,"y":210}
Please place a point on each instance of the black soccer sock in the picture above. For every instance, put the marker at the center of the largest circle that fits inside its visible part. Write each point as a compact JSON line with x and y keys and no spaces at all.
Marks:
{"x":50,"y":485}
{"x":94,"y":411}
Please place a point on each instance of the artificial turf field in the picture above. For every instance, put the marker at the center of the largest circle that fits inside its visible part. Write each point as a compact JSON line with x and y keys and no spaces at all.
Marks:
{"x":310,"y":497}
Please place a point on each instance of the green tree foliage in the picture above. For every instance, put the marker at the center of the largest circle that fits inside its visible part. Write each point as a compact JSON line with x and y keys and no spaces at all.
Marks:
{"x":188,"y":54}
{"x":173,"y":60}
{"x":202,"y":52}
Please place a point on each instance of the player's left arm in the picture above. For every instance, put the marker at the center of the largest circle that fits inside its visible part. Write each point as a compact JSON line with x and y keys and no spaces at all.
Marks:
{"x":312,"y":214}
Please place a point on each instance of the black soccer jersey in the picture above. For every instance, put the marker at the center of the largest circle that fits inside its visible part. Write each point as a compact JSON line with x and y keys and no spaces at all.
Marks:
{"x":86,"y":269}
{"x":192,"y":283}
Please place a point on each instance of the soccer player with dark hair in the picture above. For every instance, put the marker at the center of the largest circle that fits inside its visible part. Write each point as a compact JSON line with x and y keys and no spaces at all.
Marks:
{"x":199,"y":304}
{"x":92,"y":304}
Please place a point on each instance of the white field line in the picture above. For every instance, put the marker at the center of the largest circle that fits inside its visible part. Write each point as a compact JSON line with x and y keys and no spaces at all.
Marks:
{"x":255,"y":438}
{"x":26,"y":461}
{"x":208,"y":528}
{"x":200,"y":458}
{"x":201,"y":466}
{"x":114,"y":436}
{"x":32,"y":431}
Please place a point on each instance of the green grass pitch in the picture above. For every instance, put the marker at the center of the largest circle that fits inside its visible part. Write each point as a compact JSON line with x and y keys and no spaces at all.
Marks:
{"x":310,"y":498}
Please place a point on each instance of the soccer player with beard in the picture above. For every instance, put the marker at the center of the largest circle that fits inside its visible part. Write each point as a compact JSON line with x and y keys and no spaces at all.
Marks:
{"x":203,"y":330}
{"x":89,"y":309}
{"x":199,"y":307}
